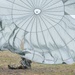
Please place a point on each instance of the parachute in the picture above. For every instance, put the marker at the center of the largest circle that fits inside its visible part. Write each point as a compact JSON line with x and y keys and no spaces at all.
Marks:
{"x":45,"y":27}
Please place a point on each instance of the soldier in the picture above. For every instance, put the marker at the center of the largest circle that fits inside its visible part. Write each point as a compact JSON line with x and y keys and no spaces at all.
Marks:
{"x":25,"y":64}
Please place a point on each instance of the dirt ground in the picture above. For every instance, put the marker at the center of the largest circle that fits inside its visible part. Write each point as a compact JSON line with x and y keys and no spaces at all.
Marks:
{"x":7,"y":58}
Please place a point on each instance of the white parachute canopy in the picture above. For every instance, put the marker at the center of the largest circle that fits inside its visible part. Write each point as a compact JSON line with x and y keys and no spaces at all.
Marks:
{"x":45,"y":28}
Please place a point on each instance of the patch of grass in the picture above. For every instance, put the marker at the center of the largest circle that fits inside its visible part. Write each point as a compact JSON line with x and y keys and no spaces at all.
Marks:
{"x":37,"y":69}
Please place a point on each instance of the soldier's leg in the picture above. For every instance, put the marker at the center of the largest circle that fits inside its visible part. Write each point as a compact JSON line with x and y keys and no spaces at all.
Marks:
{"x":26,"y":63}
